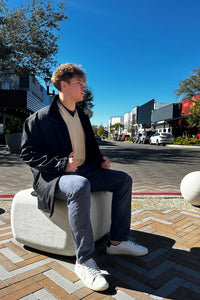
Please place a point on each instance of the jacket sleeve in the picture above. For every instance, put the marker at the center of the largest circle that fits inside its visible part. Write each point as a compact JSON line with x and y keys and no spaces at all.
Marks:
{"x":34,"y":153}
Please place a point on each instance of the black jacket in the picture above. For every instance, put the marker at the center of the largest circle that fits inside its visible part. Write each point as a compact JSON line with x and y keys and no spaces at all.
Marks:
{"x":46,"y":146}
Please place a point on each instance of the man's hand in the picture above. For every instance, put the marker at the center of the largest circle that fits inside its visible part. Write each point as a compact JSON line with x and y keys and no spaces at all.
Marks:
{"x":72,"y":163}
{"x":106,"y":163}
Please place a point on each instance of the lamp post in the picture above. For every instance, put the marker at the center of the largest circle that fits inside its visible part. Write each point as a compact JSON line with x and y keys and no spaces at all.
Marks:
{"x":47,"y":82}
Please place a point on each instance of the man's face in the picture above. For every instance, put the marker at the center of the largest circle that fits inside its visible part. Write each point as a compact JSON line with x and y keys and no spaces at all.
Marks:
{"x":75,"y":89}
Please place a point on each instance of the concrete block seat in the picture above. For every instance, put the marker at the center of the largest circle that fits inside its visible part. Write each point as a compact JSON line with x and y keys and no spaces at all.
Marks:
{"x":34,"y":228}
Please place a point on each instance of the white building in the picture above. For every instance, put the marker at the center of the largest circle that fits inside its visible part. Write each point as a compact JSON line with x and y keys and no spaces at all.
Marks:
{"x":127,"y":123}
{"x":113,"y":121}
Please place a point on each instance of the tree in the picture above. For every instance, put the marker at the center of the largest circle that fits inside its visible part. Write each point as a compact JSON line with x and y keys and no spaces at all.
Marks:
{"x":88,"y":98}
{"x":188,"y":88}
{"x":28,"y":37}
{"x":100,"y":130}
{"x":117,"y":126}
{"x":94,"y":127}
{"x":194,"y":114}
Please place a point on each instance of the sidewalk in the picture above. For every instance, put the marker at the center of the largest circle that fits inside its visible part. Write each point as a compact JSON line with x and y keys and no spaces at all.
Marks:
{"x":167,"y":225}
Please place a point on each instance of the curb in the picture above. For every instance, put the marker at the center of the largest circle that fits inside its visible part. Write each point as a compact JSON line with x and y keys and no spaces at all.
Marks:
{"x":156,"y":194}
{"x":184,"y":146}
{"x":8,"y":196}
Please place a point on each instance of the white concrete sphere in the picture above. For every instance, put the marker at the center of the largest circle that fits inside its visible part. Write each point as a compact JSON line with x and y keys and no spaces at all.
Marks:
{"x":190,"y":188}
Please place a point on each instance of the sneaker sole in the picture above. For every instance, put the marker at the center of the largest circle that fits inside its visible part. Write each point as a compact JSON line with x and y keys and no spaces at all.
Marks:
{"x":127,"y":253}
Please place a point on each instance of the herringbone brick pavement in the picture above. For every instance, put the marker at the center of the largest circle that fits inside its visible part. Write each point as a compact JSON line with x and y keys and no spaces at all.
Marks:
{"x":15,"y":175}
{"x":171,"y":270}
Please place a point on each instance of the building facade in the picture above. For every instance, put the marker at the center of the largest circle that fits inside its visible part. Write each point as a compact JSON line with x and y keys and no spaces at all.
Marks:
{"x":188,"y":131}
{"x":160,"y":117}
{"x":115,"y":130}
{"x":166,"y":119}
{"x":20,"y":97}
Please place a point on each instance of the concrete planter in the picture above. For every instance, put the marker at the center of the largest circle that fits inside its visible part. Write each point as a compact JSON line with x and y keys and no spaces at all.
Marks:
{"x":13,"y":141}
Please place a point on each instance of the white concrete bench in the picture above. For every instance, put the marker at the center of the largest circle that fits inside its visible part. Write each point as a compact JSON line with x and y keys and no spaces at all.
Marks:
{"x":34,"y":228}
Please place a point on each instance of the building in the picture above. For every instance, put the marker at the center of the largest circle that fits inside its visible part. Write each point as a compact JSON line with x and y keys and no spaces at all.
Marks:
{"x":127,"y":123}
{"x":115,"y":131}
{"x":187,"y":131}
{"x":144,"y":114}
{"x":166,"y":119}
{"x":139,"y":119}
{"x":20,"y":96}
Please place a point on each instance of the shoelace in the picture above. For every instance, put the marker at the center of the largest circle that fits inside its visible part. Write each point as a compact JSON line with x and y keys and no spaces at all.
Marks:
{"x":92,"y":267}
{"x":131,"y":243}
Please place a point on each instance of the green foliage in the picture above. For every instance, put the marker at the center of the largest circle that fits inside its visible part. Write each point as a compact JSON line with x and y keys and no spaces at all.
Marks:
{"x":14,"y":126}
{"x":185,"y":141}
{"x":194,"y":114}
{"x":87,"y":99}
{"x":28,"y":39}
{"x":190,"y":86}
{"x":100,"y":130}
{"x":94,"y":127}
{"x":129,"y":139}
{"x":117,"y":126}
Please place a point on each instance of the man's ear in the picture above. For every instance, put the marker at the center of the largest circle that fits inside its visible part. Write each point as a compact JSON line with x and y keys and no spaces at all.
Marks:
{"x":63,"y":85}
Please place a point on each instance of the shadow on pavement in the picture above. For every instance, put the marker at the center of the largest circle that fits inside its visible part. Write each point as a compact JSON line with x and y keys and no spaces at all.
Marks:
{"x":150,"y":274}
{"x":133,"y":155}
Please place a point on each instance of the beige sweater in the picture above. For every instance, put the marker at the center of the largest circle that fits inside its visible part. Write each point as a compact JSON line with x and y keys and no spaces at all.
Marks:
{"x":76,"y":133}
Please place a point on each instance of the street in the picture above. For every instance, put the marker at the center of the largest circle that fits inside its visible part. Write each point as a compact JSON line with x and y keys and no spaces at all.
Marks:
{"x":170,"y":232}
{"x":153,"y":168}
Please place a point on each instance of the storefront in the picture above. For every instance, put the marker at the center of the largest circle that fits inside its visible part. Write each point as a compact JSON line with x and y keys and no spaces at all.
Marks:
{"x":166,"y":119}
{"x":17,"y":104}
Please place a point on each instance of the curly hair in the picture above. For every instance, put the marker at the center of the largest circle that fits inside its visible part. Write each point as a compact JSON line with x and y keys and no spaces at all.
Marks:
{"x":66,"y":72}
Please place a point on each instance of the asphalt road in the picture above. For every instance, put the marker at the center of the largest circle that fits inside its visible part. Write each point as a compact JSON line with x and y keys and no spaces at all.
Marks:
{"x":153,"y":168}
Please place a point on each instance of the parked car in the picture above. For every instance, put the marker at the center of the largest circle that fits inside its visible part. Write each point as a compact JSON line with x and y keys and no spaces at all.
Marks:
{"x":119,"y":137}
{"x":115,"y":137}
{"x":124,"y":136}
{"x":136,"y":138}
{"x":145,"y":136}
{"x":97,"y":137}
{"x":161,"y":138}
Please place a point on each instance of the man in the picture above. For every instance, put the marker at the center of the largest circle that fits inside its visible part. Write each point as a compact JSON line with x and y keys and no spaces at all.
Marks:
{"x":58,"y":144}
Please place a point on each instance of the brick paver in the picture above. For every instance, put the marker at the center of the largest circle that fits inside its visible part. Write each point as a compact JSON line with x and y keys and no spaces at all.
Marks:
{"x":15,"y":175}
{"x":169,"y":271}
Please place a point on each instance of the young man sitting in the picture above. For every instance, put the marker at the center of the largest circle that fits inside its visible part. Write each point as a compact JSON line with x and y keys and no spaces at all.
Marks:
{"x":59,"y":145}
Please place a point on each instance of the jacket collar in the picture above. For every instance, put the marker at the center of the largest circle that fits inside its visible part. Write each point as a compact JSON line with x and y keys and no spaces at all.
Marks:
{"x":54,"y":111}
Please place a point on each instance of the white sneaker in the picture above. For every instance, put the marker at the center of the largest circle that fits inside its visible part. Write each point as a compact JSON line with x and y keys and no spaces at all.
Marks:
{"x":127,"y":248}
{"x":91,"y":276}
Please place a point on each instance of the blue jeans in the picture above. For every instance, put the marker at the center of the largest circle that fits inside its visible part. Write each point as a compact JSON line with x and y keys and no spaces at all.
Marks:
{"x":75,"y":188}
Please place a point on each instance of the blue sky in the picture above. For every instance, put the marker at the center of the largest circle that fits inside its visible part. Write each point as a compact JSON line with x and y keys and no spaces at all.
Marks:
{"x":132,"y":51}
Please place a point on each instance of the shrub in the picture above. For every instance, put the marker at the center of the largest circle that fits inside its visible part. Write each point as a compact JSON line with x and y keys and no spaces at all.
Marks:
{"x":129,"y":139}
{"x":185,"y":141}
{"x":14,"y":126}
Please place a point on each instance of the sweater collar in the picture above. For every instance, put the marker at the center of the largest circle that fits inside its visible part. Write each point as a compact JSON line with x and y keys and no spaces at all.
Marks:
{"x":54,"y":111}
